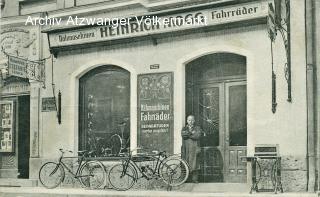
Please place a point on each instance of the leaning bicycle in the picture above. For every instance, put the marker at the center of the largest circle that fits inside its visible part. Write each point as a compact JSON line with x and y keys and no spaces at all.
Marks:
{"x":173,"y":171}
{"x":91,"y":174}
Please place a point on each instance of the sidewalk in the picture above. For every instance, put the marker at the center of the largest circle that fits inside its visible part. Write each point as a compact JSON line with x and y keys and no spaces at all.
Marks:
{"x":71,"y":192}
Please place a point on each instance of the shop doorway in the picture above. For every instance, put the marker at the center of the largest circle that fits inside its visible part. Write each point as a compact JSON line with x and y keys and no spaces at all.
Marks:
{"x":216,"y":95}
{"x":23,"y":135}
{"x":15,"y":136}
{"x":104,"y":111}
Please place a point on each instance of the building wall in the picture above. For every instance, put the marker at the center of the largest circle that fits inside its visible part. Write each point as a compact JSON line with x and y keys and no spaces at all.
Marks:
{"x":172,"y":53}
{"x":287,"y":127}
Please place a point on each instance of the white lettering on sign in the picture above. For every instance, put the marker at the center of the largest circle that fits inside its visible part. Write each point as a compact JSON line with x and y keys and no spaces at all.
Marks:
{"x":17,"y":67}
{"x":144,"y":25}
{"x":16,"y":88}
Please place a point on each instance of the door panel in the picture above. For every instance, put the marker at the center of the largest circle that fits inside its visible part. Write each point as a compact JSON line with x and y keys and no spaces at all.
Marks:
{"x":220,"y":110}
{"x":209,"y":113}
{"x":236,"y":132}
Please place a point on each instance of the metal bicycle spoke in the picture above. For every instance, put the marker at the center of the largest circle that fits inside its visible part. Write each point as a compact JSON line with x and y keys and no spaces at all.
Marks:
{"x":51,"y":175}
{"x":121,"y":177}
{"x":92,"y":174}
{"x":174,"y":171}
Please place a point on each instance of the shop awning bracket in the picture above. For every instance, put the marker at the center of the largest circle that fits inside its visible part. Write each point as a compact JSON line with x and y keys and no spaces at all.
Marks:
{"x":282,"y":24}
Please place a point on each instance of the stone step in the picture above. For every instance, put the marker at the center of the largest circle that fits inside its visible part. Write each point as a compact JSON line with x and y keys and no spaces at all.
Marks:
{"x":12,"y":182}
{"x":80,"y":192}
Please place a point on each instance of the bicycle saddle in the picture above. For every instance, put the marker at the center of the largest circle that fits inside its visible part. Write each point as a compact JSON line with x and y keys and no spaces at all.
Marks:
{"x":82,"y":151}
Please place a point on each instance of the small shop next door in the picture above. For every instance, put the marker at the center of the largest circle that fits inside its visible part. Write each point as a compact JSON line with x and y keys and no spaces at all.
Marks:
{"x":216,"y":95}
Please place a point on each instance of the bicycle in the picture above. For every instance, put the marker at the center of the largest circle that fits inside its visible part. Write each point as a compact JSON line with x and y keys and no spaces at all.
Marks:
{"x":173,"y":171}
{"x":91,"y":174}
{"x":118,"y":145}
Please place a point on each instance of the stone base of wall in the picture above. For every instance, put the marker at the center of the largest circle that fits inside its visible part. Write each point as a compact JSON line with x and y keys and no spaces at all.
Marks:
{"x":294,"y":173}
{"x":9,"y":173}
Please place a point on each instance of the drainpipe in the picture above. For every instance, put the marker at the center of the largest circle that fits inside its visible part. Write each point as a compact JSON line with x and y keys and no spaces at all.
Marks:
{"x":309,"y":22}
{"x":316,"y":30}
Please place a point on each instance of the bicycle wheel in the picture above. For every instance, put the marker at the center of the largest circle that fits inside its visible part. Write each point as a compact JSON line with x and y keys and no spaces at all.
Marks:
{"x":92,"y":174}
{"x":115,"y":144}
{"x":51,"y":175}
{"x":122,"y":179}
{"x":174,"y":171}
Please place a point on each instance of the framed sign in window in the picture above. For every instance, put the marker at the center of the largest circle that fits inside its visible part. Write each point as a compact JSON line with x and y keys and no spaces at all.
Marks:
{"x":155,"y":111}
{"x":6,"y":126}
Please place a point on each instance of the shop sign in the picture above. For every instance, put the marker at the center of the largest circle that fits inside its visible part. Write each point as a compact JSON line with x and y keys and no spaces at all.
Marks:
{"x":6,"y":128}
{"x":146,"y":25}
{"x":155,"y":111}
{"x":23,"y":68}
{"x":154,"y":66}
{"x":17,"y":67}
{"x":48,"y":104}
{"x":16,"y":88}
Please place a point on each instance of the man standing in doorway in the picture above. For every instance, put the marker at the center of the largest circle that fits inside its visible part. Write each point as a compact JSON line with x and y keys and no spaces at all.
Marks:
{"x":190,"y":146}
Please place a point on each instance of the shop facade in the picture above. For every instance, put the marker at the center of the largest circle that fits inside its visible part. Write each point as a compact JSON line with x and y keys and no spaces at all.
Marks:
{"x":16,"y":100}
{"x":139,"y":82}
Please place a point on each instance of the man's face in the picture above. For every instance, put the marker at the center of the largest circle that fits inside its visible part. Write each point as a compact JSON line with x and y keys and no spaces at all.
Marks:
{"x":190,"y":120}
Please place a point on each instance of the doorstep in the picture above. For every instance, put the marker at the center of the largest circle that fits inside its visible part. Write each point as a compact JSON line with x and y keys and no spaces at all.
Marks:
{"x":214,"y":187}
{"x":80,"y":192}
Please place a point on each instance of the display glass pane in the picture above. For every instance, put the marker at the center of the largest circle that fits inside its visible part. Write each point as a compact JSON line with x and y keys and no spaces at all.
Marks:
{"x":238,"y":115}
{"x":6,"y":128}
{"x":105,"y":111}
{"x":209,"y":114}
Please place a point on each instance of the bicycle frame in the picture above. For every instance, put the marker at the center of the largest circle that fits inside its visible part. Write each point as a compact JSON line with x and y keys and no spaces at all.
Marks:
{"x":65,"y":166}
{"x":137,"y":169}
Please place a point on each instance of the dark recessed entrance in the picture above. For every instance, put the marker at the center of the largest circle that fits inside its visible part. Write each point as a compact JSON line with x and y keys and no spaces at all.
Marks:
{"x":216,"y":95}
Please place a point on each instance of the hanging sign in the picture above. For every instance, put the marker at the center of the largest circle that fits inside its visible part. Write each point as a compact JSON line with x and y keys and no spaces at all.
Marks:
{"x":155,"y":111}
{"x":23,"y":68}
{"x":48,"y":104}
{"x":17,"y":67}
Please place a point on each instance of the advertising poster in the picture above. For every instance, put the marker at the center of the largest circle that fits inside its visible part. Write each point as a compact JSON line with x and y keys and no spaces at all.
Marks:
{"x":155,"y":111}
{"x":6,"y":127}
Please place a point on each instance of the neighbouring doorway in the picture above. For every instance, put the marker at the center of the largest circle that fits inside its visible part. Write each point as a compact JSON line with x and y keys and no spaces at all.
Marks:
{"x":216,"y":95}
{"x":15,"y":136}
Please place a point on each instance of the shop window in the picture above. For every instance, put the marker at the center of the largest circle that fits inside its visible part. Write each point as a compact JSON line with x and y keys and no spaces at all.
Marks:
{"x":104,"y":111}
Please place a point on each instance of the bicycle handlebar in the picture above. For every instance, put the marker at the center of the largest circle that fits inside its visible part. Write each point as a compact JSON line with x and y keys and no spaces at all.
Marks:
{"x":63,"y":151}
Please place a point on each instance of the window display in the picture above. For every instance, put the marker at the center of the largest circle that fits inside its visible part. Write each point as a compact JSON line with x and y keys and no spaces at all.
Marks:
{"x":6,"y":128}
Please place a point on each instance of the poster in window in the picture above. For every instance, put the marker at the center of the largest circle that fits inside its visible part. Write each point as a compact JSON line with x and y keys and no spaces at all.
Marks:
{"x":155,"y":111}
{"x":6,"y":129}
{"x":3,"y":145}
{"x":9,"y":144}
{"x":6,"y":136}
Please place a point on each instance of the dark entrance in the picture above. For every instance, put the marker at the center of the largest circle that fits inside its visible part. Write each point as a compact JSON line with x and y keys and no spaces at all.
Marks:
{"x":216,"y":95}
{"x":15,"y":163}
{"x":104,"y":110}
{"x":23,"y":136}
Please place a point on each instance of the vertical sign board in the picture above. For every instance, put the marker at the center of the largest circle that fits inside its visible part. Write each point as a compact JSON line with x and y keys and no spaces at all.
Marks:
{"x":155,"y":111}
{"x":6,"y":129}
